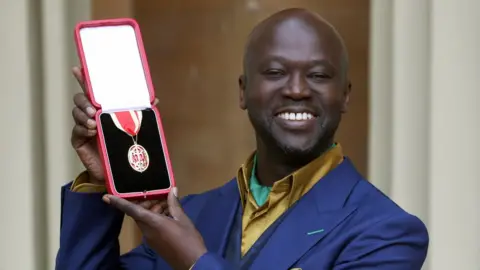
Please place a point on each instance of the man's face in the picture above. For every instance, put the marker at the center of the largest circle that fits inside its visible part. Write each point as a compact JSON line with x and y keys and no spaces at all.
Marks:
{"x":294,"y":88}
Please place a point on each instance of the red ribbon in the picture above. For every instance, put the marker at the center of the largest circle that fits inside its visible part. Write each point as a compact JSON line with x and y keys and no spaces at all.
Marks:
{"x":128,"y":121}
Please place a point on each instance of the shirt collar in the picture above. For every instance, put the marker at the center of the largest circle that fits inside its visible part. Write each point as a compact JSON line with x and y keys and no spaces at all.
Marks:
{"x":246,"y":174}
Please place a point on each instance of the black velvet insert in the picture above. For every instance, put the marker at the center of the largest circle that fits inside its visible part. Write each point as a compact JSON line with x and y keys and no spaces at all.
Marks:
{"x":117,"y":143}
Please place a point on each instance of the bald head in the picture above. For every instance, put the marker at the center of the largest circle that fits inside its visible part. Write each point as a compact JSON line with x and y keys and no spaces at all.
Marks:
{"x":294,"y":86}
{"x":295,"y":24}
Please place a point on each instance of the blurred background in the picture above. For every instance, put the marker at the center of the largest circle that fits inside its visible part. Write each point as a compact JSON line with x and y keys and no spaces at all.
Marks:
{"x":413,"y":127}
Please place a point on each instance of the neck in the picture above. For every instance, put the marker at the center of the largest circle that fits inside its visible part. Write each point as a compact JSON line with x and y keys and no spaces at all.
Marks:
{"x":274,"y":164}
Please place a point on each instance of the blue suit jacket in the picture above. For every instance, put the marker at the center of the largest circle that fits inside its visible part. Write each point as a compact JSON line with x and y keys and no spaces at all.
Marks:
{"x":343,"y":223}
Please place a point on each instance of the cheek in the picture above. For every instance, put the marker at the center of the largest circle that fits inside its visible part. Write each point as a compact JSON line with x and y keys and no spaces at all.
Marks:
{"x":331,"y":98}
{"x":252,"y":104}
{"x":259,"y":100}
{"x":332,"y":117}
{"x":332,"y":107}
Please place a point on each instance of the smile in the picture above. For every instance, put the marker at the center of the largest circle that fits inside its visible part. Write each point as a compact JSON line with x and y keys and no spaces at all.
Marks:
{"x":296,"y":120}
{"x":296,"y":116}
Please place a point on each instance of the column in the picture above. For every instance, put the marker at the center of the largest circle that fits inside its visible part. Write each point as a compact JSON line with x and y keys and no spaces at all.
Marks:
{"x":379,"y":164}
{"x":20,"y":171}
{"x":454,"y":136}
{"x":58,"y":55}
{"x":410,"y":105}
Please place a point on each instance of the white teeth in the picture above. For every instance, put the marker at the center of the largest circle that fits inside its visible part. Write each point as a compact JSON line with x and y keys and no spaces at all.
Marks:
{"x":296,"y":116}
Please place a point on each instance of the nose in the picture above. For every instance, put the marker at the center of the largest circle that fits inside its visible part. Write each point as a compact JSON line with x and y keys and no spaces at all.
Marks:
{"x":297,"y":87}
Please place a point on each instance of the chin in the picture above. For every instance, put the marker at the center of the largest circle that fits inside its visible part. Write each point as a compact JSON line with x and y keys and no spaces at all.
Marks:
{"x":303,"y":147}
{"x":297,"y":155}
{"x":297,"y":149}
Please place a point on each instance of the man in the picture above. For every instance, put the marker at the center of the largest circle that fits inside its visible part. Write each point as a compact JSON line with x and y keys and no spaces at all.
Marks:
{"x":297,"y":202}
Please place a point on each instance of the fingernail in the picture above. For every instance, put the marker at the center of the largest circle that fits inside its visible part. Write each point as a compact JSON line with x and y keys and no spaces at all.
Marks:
{"x":90,"y":111}
{"x":175,"y":191}
{"x":106,"y":199}
{"x":91,"y":123}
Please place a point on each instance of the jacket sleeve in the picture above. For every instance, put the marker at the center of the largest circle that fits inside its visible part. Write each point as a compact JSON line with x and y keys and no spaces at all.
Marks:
{"x":89,"y":232}
{"x":396,"y":243}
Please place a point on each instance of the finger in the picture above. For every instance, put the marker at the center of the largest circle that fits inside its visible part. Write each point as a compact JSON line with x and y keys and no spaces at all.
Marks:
{"x":147,"y":204}
{"x":175,"y":208}
{"x":77,"y":73}
{"x":155,"y":102}
{"x":82,"y":118}
{"x":80,"y":135}
{"x":81,"y":131}
{"x":84,"y":104}
{"x":161,"y":208}
{"x":136,"y":211}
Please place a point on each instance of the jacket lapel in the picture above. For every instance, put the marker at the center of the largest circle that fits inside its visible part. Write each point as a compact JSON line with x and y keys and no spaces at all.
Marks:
{"x":216,"y":218}
{"x":312,"y":218}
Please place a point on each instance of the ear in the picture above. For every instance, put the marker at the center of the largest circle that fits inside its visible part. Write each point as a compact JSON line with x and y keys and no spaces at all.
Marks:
{"x":242,"y":84}
{"x":346,"y":97}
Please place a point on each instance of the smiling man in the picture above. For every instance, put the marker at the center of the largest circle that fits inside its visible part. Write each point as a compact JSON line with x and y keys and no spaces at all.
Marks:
{"x":297,"y":202}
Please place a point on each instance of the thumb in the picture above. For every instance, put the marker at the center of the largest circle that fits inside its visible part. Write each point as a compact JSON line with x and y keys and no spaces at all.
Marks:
{"x":174,"y":206}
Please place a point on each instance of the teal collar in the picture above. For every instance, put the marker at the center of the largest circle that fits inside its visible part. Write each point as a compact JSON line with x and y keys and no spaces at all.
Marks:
{"x":259,"y":193}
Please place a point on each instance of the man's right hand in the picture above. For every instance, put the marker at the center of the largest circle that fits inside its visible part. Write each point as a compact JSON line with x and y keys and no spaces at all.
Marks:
{"x":84,"y":132}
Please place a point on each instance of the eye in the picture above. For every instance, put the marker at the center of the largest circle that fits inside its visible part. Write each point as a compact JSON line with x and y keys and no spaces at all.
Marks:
{"x":274,"y":73}
{"x":318,"y":76}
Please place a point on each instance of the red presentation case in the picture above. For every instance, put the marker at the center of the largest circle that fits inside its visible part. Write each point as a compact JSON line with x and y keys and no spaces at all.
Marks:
{"x":90,"y":37}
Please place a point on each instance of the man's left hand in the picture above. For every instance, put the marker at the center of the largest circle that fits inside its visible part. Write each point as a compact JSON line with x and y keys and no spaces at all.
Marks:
{"x":174,"y":238}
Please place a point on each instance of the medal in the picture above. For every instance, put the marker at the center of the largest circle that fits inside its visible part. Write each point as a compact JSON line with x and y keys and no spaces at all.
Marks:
{"x":130,"y":123}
